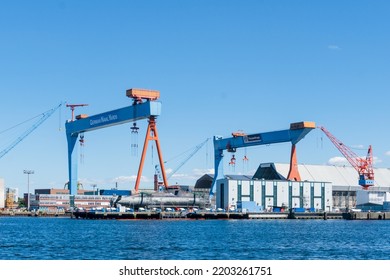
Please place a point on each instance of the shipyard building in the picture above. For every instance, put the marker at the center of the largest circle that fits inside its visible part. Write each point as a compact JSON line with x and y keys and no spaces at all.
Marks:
{"x":322,"y":188}
{"x":53,"y":200}
{"x":255,"y":195}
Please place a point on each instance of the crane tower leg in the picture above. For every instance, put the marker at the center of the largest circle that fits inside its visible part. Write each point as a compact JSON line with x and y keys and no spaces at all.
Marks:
{"x":151,"y":134}
{"x":293,"y":173}
{"x":218,"y":172}
{"x":72,"y":163}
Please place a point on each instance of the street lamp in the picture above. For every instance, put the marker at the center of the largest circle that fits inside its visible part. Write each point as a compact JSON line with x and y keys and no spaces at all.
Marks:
{"x":94,"y":186}
{"x":28,"y":172}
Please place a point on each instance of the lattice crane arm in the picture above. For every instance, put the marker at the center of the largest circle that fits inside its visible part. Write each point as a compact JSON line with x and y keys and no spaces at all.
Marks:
{"x":363,"y":166}
{"x":351,"y":156}
{"x":44,"y":117}
{"x":193,"y":152}
{"x":197,"y":148}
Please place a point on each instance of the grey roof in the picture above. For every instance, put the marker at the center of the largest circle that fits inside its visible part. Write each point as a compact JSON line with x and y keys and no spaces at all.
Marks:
{"x":204,"y":182}
{"x":238,"y":177}
{"x":267,"y":171}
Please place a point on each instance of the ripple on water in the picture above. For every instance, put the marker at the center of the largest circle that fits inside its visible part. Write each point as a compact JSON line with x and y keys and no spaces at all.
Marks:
{"x":63,"y":239}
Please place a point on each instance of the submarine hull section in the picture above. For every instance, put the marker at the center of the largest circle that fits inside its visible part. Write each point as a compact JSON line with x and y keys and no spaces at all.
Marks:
{"x":160,"y":200}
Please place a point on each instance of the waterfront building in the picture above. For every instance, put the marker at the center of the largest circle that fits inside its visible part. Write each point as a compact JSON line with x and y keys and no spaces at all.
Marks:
{"x":2,"y":194}
{"x":273,"y":195}
{"x":92,"y":201}
{"x":11,"y":198}
{"x":372,"y":200}
{"x":342,"y":179}
{"x":52,"y":203}
{"x":203,"y":184}
{"x":59,"y":191}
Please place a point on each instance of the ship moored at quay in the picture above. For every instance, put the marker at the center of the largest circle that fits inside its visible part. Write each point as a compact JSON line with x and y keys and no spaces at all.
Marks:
{"x":228,"y":215}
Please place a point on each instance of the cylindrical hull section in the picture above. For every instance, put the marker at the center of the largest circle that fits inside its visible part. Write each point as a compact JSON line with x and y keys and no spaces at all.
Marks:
{"x":160,"y":200}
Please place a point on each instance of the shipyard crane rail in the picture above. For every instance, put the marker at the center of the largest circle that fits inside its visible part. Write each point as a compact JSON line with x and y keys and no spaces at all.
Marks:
{"x":364,"y":166}
{"x":44,"y":116}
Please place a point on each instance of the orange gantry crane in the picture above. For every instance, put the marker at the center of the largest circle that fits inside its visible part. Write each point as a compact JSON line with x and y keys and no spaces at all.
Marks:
{"x":138,"y":96}
{"x":364,"y":166}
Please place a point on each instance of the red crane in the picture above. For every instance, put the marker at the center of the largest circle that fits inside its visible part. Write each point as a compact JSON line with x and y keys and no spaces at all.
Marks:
{"x":362,"y":165}
{"x":72,"y":106}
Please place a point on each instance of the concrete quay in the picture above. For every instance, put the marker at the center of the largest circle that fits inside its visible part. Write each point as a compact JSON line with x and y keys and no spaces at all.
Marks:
{"x":32,"y":214}
{"x":367,"y":216}
{"x":266,"y":215}
{"x":206,"y":215}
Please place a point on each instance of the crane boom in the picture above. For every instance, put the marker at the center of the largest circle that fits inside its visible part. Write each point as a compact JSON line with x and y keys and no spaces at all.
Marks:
{"x":193,"y":152}
{"x":364,"y":166}
{"x":197,"y":148}
{"x":44,"y":117}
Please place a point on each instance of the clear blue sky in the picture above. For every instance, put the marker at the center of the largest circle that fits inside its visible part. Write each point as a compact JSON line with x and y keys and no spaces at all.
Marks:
{"x":221,"y":66}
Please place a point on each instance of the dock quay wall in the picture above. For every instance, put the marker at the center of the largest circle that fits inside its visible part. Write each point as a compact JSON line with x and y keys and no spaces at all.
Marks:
{"x":367,"y":216}
{"x":33,"y":214}
{"x":205,"y":215}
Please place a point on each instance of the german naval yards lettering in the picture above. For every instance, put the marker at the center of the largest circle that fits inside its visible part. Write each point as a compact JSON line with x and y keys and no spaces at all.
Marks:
{"x":252,"y":138}
{"x":103,"y":119}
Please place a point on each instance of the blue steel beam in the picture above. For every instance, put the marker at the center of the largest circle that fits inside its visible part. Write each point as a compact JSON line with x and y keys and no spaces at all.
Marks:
{"x":296,"y":133}
{"x":115,"y":117}
{"x":107,"y":119}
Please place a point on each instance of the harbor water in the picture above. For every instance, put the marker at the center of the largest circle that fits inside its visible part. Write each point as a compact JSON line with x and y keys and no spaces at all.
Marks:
{"x":40,"y":238}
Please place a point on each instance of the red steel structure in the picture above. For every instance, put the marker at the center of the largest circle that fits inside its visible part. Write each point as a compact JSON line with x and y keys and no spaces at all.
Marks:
{"x":151,"y":134}
{"x":364,"y":166}
{"x":72,"y":106}
{"x":138,"y":95}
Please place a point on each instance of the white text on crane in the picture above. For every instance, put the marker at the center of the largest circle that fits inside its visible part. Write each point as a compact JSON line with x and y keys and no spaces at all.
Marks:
{"x":103,"y":119}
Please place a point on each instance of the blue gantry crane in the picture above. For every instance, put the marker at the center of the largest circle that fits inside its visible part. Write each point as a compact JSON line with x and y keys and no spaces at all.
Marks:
{"x":145,"y":106}
{"x":296,"y":133}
